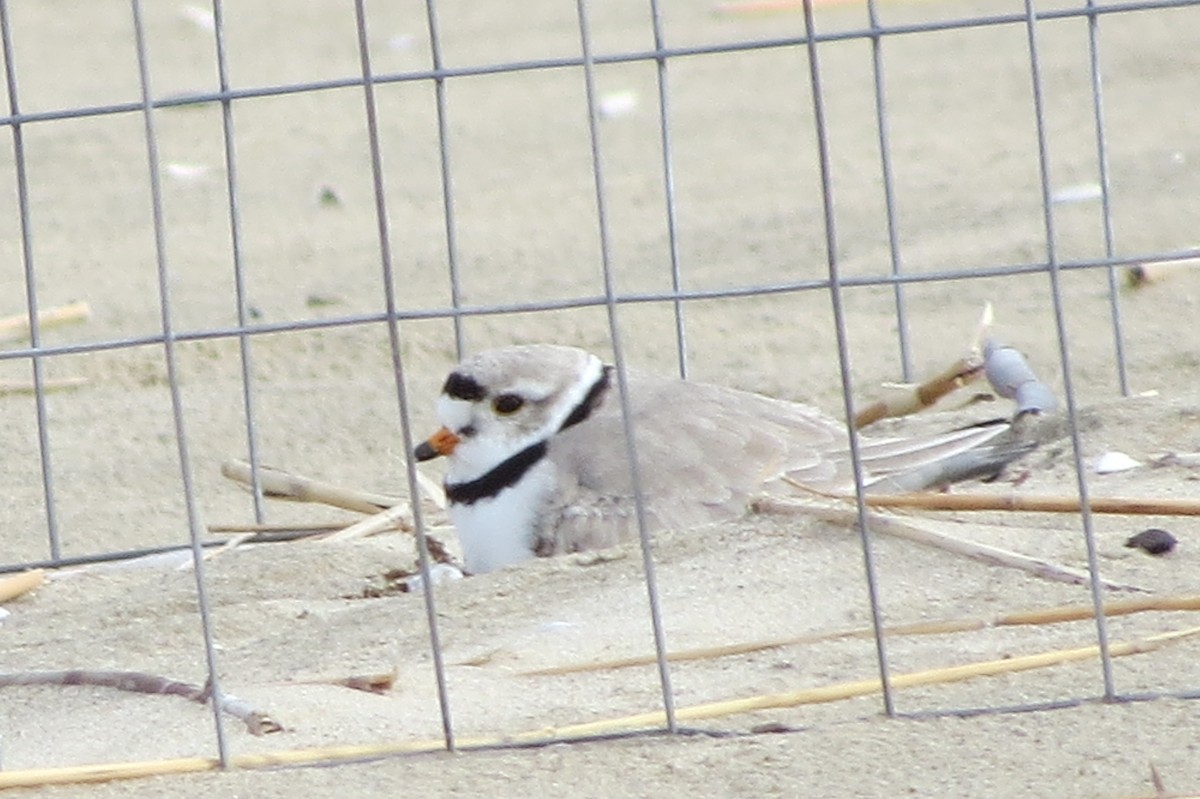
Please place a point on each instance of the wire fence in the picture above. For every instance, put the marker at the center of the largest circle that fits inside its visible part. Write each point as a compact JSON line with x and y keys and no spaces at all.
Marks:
{"x":409,"y":293}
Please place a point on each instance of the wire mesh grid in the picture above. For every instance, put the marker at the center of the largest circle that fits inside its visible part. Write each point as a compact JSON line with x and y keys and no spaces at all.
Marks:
{"x":298,"y":225}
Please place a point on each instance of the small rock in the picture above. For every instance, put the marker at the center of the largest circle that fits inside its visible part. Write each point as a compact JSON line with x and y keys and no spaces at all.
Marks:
{"x":1153,"y":541}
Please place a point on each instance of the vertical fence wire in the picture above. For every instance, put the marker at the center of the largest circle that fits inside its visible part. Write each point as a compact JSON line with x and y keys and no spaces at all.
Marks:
{"x":31,"y":296}
{"x":889,"y":190}
{"x":1114,"y":294}
{"x":173,"y":382}
{"x":843,"y":350}
{"x":239,"y":271}
{"x":611,"y":298}
{"x":439,"y":89}
{"x":610,"y":294}
{"x":1064,"y":354}
{"x":393,"y":326}
{"x":668,"y":162}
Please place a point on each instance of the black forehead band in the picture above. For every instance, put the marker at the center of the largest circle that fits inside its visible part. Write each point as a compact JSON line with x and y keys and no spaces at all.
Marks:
{"x":463,"y":387}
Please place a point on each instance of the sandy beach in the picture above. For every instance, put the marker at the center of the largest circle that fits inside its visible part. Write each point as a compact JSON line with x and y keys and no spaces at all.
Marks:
{"x":289,"y":618}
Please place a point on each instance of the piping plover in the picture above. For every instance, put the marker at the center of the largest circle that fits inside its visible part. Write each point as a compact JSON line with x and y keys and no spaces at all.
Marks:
{"x":538,"y":464}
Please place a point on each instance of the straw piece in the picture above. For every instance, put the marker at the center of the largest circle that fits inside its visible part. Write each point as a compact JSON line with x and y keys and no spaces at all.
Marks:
{"x":19,"y":584}
{"x":16,"y":327}
{"x":1035,"y":616}
{"x":433,"y":492}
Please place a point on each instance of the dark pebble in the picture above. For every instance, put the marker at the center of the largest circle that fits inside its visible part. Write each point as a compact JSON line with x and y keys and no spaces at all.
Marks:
{"x":1153,"y":541}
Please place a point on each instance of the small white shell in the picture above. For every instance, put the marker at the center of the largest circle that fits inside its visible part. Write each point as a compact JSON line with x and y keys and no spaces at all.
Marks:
{"x":186,"y":173}
{"x":616,"y":104}
{"x":402,"y":42}
{"x":4,"y":614}
{"x":1079,"y":193}
{"x":202,"y":18}
{"x":439,"y":573}
{"x":1114,"y":461}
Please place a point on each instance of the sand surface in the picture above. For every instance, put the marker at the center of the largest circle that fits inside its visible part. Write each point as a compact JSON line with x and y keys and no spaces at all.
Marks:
{"x":288,"y":616}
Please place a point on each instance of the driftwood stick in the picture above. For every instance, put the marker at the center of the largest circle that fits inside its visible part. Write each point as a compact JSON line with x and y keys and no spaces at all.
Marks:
{"x":256,"y":722}
{"x":911,"y":529}
{"x":16,"y":327}
{"x":908,"y":399}
{"x":279,"y":484}
{"x":378,"y":683}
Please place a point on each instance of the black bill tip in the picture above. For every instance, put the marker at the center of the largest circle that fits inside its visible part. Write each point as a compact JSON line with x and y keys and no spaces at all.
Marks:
{"x":425,"y":452}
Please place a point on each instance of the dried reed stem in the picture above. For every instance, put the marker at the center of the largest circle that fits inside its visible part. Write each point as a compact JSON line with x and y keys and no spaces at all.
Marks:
{"x":1128,"y":506}
{"x":279,"y":484}
{"x":643,"y":721}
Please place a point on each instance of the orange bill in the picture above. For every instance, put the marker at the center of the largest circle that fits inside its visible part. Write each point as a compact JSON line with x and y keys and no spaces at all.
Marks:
{"x":442,"y":442}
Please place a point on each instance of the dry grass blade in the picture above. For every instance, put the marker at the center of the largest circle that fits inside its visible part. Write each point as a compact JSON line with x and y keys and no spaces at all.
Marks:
{"x":279,"y":484}
{"x":433,"y":492}
{"x":1035,"y":616}
{"x":48,"y":385}
{"x":832,"y":693}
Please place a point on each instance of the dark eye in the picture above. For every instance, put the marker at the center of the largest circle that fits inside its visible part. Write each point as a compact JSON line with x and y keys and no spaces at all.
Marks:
{"x":507,"y":403}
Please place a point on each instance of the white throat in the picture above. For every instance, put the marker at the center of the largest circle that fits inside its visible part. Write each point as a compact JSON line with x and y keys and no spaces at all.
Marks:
{"x":499,"y":531}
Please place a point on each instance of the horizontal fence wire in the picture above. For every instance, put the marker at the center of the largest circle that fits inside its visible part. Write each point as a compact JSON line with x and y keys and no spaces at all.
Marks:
{"x":535,"y":65}
{"x":599,"y":301}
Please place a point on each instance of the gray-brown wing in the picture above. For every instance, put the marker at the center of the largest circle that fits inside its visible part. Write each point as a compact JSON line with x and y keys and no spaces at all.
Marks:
{"x":703,"y":452}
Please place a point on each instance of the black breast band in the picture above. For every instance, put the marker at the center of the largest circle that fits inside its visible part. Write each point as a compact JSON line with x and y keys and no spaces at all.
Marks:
{"x":503,"y":476}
